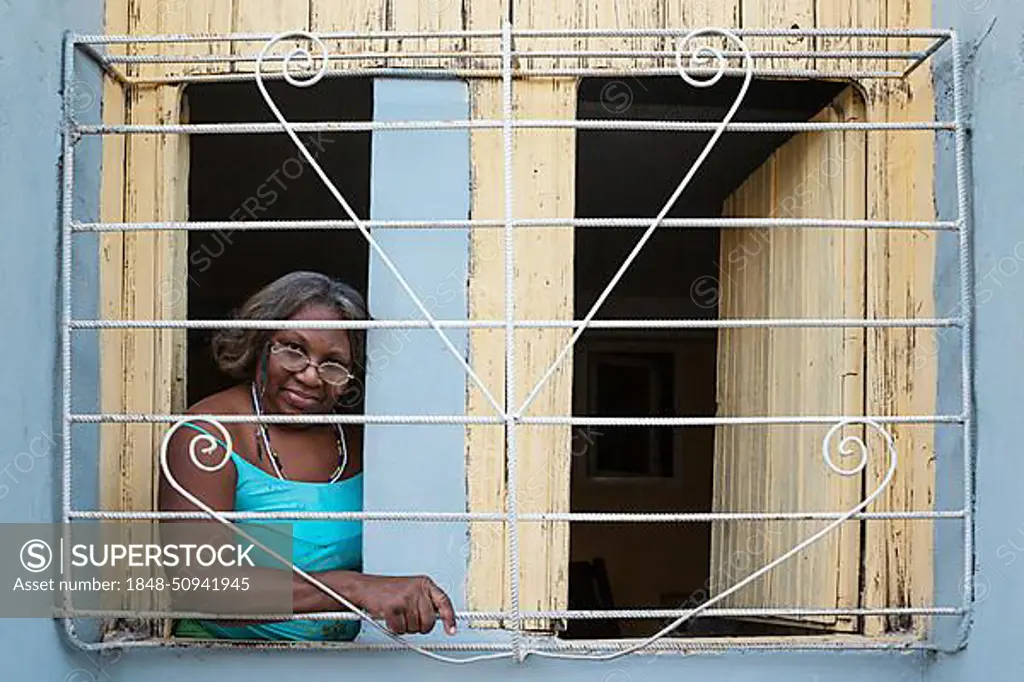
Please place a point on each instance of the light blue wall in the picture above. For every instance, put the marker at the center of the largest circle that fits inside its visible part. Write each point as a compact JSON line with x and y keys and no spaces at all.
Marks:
{"x":992,"y":32}
{"x":414,"y":467}
{"x":31,"y":36}
{"x":406,"y":185}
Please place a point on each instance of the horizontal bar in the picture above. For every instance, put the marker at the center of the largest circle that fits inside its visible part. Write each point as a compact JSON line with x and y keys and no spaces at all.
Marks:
{"x":540,"y":646}
{"x":129,"y":418}
{"x":610,"y":223}
{"x":501,"y":517}
{"x":766,"y":323}
{"x":537,"y":54}
{"x":724,"y":421}
{"x":618,"y":614}
{"x":586,"y":124}
{"x":536,"y":72}
{"x":554,"y":646}
{"x":741,"y":32}
{"x":98,"y":39}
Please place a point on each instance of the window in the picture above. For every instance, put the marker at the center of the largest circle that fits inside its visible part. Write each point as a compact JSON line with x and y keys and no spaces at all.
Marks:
{"x":703,"y":463}
{"x":623,"y":384}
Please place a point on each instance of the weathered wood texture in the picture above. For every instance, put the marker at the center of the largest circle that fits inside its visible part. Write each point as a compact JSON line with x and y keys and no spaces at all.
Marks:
{"x":143,"y":276}
{"x":901,"y":368}
{"x":792,"y":273}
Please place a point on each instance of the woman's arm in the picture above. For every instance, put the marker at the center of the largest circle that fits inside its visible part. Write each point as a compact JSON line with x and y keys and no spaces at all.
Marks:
{"x":406,"y":603}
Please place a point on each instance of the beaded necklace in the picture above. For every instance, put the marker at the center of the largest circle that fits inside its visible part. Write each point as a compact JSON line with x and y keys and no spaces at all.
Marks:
{"x":275,"y":460}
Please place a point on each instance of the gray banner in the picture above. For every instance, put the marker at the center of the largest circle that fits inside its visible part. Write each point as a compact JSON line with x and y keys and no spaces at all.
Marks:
{"x":146,"y":569}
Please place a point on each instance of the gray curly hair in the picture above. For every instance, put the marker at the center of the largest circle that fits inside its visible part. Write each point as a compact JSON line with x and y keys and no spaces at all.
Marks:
{"x":237,"y":351}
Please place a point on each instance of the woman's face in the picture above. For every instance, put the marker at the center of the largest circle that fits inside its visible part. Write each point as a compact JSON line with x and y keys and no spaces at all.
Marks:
{"x":304,"y":392}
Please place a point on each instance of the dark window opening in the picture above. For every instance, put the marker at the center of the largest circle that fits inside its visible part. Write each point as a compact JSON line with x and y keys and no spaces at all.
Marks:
{"x":265,"y":177}
{"x":627,"y":384}
{"x":630,"y":174}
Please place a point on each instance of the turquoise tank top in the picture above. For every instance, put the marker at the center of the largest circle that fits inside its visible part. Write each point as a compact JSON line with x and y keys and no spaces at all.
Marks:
{"x":316,"y":545}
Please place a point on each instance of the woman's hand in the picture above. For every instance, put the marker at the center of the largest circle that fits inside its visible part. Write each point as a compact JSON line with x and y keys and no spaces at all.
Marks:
{"x":408,"y":604}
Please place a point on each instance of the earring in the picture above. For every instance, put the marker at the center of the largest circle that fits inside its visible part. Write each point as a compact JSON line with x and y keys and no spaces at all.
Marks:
{"x":263,"y":371}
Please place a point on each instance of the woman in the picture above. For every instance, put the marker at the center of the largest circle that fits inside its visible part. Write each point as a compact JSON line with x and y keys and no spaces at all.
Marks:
{"x":277,"y":467}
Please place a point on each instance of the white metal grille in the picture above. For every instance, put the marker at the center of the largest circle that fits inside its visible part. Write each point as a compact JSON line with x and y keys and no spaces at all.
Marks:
{"x":509,"y":64}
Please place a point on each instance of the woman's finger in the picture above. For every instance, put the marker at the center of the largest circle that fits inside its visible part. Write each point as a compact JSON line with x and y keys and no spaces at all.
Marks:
{"x":444,"y":607}
{"x":426,"y":612}
{"x":412,"y":615}
{"x":396,"y":620}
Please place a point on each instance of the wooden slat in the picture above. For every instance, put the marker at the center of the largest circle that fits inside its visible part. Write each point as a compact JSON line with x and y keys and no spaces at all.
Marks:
{"x":621,"y":14}
{"x":112,"y":209}
{"x":197,"y":17}
{"x":863,"y":14}
{"x":485,"y":445}
{"x":692,"y":15}
{"x":545,"y":178}
{"x":111,"y":273}
{"x":544,"y":174}
{"x":901,"y":367}
{"x":356,"y":15}
{"x":791,"y":273}
{"x":426,"y":15}
{"x":487,"y":575}
{"x":252,"y":16}
{"x":787,"y":14}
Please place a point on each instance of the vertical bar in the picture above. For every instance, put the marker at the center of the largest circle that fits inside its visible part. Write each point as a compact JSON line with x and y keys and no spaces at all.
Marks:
{"x":66,"y":205}
{"x":511,"y":416}
{"x":967,"y":340}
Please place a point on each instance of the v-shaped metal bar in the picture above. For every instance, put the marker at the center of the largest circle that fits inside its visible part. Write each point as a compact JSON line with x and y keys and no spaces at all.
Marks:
{"x":696,"y":57}
{"x":305,"y":56}
{"x":208,"y":443}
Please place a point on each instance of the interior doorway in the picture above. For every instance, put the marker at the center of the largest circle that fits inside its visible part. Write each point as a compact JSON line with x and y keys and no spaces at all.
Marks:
{"x":630,"y":174}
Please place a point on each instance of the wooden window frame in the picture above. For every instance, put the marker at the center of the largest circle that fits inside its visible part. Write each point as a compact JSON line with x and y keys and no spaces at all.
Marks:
{"x":132,"y":190}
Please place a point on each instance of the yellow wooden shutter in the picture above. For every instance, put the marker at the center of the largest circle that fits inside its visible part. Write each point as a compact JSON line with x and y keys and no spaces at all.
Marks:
{"x":792,"y":273}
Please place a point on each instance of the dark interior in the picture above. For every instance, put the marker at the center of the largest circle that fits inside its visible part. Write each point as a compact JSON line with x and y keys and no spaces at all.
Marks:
{"x":264,"y":177}
{"x":631,"y":174}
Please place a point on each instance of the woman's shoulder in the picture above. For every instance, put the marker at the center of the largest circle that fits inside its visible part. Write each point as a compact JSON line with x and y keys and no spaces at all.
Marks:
{"x":233,"y":400}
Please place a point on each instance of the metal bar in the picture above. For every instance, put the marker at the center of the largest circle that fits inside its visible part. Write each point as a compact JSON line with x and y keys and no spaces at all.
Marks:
{"x":557,"y":420}
{"x":67,"y":213}
{"x":553,"y":647}
{"x":103,"y":62}
{"x":130,"y":418}
{"x":522,"y":644}
{"x":502,"y":517}
{"x":98,"y":39}
{"x":392,"y":56}
{"x":410,"y":72}
{"x":967,"y":300}
{"x":627,"y":614}
{"x":932,"y":49}
{"x":511,"y":463}
{"x":741,"y":32}
{"x":553,"y":222}
{"x":768,"y":323}
{"x":724,"y":421}
{"x":576,"y":124}
{"x":541,"y":646}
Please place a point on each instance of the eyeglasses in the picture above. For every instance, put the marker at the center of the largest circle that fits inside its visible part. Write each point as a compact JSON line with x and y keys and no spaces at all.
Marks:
{"x":295,"y":360}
